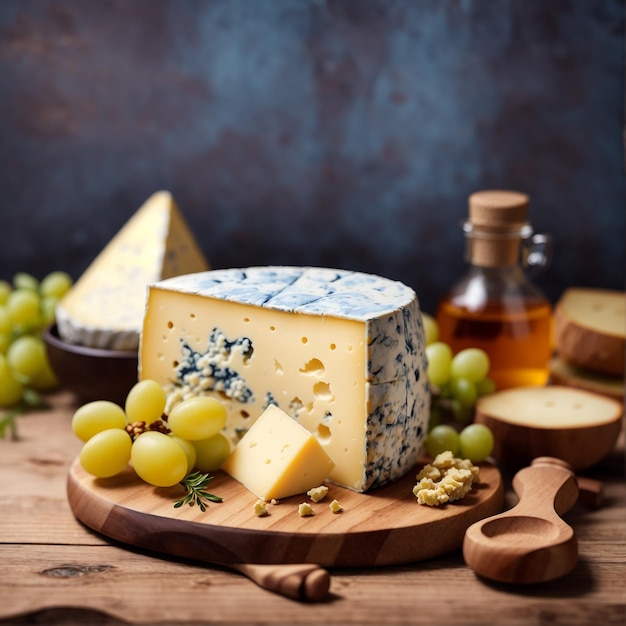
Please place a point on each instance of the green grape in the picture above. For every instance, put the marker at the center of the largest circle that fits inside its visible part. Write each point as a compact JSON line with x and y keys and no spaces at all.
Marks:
{"x":439,"y":356}
{"x":47,"y":310}
{"x":5,"y":291}
{"x":463,"y":390}
{"x":55,"y":284}
{"x":471,"y":363}
{"x":158,"y":459}
{"x":461,"y":413}
{"x":27,"y":356}
{"x":5,"y":342}
{"x":431,"y":329}
{"x":23,"y":307}
{"x":441,"y":439}
{"x":197,"y":418}
{"x":11,"y":390}
{"x":485,"y":387}
{"x":476,"y":442}
{"x":211,"y":453}
{"x":145,"y":402}
{"x":23,"y":280}
{"x":6,"y":323}
{"x":107,"y":453}
{"x":45,"y":379}
{"x":188,"y":449}
{"x":96,"y":416}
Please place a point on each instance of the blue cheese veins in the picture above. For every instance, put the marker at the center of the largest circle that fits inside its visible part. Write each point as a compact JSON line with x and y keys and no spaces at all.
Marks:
{"x":340,"y":352}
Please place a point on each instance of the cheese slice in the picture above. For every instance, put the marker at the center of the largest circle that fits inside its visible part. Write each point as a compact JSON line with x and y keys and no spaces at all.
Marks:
{"x":105,"y":307}
{"x":566,"y":374}
{"x":340,"y":352}
{"x":590,"y":329}
{"x":278,"y":458}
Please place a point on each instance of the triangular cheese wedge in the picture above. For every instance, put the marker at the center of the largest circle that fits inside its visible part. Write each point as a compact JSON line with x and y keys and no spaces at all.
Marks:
{"x":278,"y":458}
{"x":105,"y":307}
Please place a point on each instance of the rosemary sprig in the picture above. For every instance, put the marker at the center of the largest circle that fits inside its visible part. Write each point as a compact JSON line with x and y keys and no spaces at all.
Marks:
{"x":195,"y":484}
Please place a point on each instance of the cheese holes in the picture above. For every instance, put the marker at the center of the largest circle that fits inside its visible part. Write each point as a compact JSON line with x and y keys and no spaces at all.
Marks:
{"x":333,"y":346}
{"x":272,"y":328}
{"x":313,"y":368}
{"x":323,"y":433}
{"x":278,"y":368}
{"x":246,"y":320}
{"x":322,"y":391}
{"x":170,"y":325}
{"x":305,"y":340}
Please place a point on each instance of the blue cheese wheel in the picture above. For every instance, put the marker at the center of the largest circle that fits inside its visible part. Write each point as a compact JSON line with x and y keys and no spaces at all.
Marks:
{"x":341,"y":352}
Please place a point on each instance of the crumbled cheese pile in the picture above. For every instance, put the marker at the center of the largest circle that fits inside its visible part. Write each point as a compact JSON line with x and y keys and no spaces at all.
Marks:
{"x":446,"y":479}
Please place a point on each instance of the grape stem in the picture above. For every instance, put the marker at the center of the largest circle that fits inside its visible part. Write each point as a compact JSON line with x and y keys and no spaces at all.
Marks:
{"x":30,"y":400}
{"x":195,"y":484}
{"x":8,"y":421}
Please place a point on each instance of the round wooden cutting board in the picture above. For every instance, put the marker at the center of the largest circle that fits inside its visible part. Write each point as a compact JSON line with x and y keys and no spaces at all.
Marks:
{"x":383,"y":527}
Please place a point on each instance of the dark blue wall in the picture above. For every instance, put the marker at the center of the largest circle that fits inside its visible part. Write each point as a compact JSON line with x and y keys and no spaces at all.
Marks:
{"x":338,"y":133}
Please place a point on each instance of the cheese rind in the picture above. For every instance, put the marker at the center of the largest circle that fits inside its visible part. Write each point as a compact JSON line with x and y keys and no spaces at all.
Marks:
{"x":278,"y":458}
{"x":105,"y":307}
{"x":341,"y":352}
{"x":590,"y":329}
{"x":567,"y":374}
{"x":577,"y":426}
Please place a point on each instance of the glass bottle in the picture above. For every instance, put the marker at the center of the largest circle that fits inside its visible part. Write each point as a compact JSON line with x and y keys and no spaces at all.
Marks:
{"x":495,"y":306}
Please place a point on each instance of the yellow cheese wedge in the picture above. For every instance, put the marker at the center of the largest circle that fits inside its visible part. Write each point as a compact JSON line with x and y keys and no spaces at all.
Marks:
{"x":105,"y":307}
{"x":278,"y":458}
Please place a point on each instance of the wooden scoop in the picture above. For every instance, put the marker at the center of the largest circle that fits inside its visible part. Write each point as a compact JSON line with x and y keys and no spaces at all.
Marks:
{"x":529,"y":543}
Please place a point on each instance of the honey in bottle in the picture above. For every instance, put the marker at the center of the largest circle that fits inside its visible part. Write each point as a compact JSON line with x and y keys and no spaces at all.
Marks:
{"x":495,"y":306}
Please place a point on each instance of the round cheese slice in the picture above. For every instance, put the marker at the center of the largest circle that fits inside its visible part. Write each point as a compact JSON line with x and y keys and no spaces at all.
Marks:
{"x":590,"y":329}
{"x":566,"y":374}
{"x":579,"y":427}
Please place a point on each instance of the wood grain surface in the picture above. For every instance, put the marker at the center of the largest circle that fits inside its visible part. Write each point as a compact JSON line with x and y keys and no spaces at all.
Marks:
{"x":383,"y":527}
{"x":56,"y":571}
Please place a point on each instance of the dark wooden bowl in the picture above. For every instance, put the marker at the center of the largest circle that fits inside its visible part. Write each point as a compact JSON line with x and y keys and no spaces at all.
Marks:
{"x":91,"y":373}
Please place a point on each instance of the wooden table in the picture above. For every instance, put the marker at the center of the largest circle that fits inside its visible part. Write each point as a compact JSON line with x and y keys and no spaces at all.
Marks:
{"x":55,"y":571}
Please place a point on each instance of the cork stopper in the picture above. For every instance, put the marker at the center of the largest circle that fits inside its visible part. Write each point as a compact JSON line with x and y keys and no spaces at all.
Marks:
{"x":495,"y":228}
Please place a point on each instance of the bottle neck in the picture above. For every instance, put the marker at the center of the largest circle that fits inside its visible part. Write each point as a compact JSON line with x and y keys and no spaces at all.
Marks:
{"x":495,"y":246}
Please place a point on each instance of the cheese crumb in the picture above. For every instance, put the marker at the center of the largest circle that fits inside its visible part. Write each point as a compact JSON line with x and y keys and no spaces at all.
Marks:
{"x":305,"y":509}
{"x":445,"y":480}
{"x":317,"y":493}
{"x":261,"y":509}
{"x":335,"y":506}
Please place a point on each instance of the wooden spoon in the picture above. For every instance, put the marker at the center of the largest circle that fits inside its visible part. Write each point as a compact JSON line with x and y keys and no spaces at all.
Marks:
{"x":529,"y":543}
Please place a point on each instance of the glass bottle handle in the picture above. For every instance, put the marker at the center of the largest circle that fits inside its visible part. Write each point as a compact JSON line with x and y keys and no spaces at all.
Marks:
{"x":537,"y":251}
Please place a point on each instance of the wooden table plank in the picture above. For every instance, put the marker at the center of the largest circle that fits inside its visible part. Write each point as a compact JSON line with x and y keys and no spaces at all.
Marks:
{"x":98,"y":582}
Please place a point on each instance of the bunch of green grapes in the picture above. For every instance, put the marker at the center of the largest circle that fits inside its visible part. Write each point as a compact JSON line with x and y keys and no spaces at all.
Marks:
{"x":27,"y":306}
{"x":457,"y":381}
{"x":162,"y":450}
